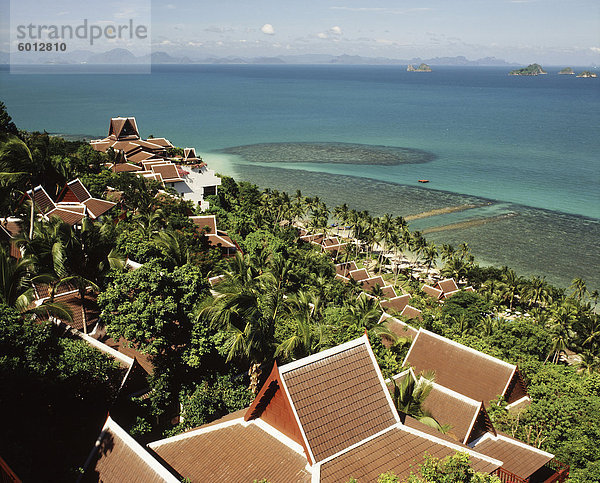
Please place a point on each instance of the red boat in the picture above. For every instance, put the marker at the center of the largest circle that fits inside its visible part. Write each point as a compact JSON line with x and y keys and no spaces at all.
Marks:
{"x":423,"y":181}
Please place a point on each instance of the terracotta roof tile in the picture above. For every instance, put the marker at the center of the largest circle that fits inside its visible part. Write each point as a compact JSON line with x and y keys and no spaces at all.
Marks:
{"x":518,"y":458}
{"x":70,"y":217}
{"x":162,"y":142}
{"x":339,"y":399}
{"x":98,"y":207}
{"x":41,"y":199}
{"x":80,"y":191}
{"x":202,"y":222}
{"x":168,"y":172}
{"x":369,"y":284}
{"x":139,"y":156}
{"x":401,"y":329}
{"x":232,"y":453}
{"x":125,"y":167}
{"x":432,"y":291}
{"x":411,"y":313}
{"x":448,"y":285}
{"x":457,"y":367}
{"x":396,"y":304}
{"x":88,"y":312}
{"x":345,"y":268}
{"x":117,"y":457}
{"x":399,"y":450}
{"x":12,"y":226}
{"x":359,"y":275}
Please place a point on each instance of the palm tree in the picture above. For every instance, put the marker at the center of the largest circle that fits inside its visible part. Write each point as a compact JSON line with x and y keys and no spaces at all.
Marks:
{"x":16,"y":166}
{"x":579,"y":289}
{"x":409,"y":396}
{"x":17,"y":278}
{"x":174,"y":246}
{"x":363,"y":314}
{"x":536,"y":291}
{"x":308,"y":335}
{"x":511,"y":284}
{"x":590,"y":362}
{"x":430,"y":254}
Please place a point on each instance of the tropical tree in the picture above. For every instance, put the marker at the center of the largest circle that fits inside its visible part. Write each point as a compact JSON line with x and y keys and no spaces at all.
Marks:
{"x":410,"y":394}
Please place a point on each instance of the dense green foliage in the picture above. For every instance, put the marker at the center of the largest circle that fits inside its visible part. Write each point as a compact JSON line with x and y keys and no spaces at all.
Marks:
{"x":531,"y":69}
{"x":279,"y":301}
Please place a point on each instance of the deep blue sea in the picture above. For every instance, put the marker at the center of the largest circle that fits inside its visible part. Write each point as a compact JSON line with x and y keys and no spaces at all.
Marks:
{"x":524,"y":150}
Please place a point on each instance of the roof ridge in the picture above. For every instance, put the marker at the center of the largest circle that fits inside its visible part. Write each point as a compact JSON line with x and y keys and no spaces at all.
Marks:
{"x":290,"y":366}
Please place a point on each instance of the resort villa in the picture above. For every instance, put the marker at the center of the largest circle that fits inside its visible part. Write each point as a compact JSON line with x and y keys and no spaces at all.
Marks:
{"x":151,"y":158}
{"x":330,"y":417}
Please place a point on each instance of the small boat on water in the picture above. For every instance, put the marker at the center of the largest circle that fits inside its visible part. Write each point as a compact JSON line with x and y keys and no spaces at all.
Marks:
{"x":423,"y":181}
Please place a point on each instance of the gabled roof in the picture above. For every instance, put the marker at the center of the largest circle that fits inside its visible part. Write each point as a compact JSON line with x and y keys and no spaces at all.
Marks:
{"x":41,"y":199}
{"x":125,"y":167}
{"x":139,"y":156}
{"x":432,"y":291}
{"x":399,"y":449}
{"x":339,"y":397}
{"x":332,"y":399}
{"x":97,"y":207}
{"x":68,"y":216}
{"x":411,"y":312}
{"x":462,"y":369}
{"x":168,"y":171}
{"x":162,"y":142}
{"x":11,"y":227}
{"x":189,"y":154}
{"x":86,"y":313}
{"x":468,"y":418}
{"x":117,"y":457}
{"x":396,"y":304}
{"x":518,"y":458}
{"x":388,"y":292}
{"x":369,"y":284}
{"x":401,"y":329}
{"x":123,"y":128}
{"x":202,"y":222}
{"x":74,"y":191}
{"x":447,"y":286}
{"x":345,"y":268}
{"x":232,"y":450}
{"x":359,"y":275}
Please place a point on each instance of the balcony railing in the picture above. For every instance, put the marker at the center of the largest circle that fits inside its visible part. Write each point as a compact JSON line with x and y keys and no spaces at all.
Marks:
{"x":558,"y":471}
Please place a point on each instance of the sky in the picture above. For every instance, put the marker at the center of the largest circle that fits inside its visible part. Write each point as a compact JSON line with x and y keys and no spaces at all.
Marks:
{"x":552,"y":32}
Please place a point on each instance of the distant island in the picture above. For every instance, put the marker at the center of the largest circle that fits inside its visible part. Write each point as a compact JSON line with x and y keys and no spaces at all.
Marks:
{"x":421,"y":68}
{"x":532,"y":69}
{"x":567,"y":70}
{"x":587,"y":73}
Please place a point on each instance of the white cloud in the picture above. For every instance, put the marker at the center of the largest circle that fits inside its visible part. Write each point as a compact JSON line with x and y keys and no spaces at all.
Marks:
{"x":322,"y":35}
{"x":336,"y":30}
{"x":595,"y":50}
{"x":267,"y":29}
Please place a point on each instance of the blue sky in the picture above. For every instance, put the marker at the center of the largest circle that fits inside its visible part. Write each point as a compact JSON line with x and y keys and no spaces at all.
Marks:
{"x":546,"y":31}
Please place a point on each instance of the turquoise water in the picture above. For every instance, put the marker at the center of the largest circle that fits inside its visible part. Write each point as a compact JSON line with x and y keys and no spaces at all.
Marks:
{"x":529,"y":144}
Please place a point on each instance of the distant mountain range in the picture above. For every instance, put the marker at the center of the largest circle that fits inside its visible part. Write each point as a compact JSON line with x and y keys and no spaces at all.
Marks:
{"x":124,"y":56}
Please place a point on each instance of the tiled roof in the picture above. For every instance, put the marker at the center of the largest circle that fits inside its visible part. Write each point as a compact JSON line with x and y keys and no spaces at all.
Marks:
{"x":359,"y":275}
{"x":41,"y":199}
{"x":139,"y":156}
{"x":330,"y":241}
{"x":369,"y":284}
{"x":220,"y":240}
{"x":388,"y":292}
{"x":98,"y":207}
{"x":80,"y":191}
{"x":400,"y":450}
{"x":401,"y":329}
{"x":339,"y":397}
{"x":345,"y":268}
{"x":12,"y":226}
{"x":432,"y":291}
{"x":205,"y":221}
{"x":42,"y":290}
{"x":447,"y":286}
{"x":457,"y":367}
{"x":162,"y":142}
{"x":70,"y":217}
{"x":117,"y":457}
{"x":518,"y":458}
{"x":449,"y":407}
{"x":396,"y":303}
{"x":232,"y":452}
{"x":168,"y":172}
{"x":411,"y":312}
{"x":123,"y":127}
{"x":189,"y":154}
{"x":125,"y":167}
{"x":89,"y":311}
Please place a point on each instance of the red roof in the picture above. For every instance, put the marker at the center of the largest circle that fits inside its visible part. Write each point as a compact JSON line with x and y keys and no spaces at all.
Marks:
{"x":432,"y":291}
{"x":396,"y":304}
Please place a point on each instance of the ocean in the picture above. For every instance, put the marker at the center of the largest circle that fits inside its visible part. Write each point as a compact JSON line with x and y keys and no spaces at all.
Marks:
{"x":523,"y":150}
